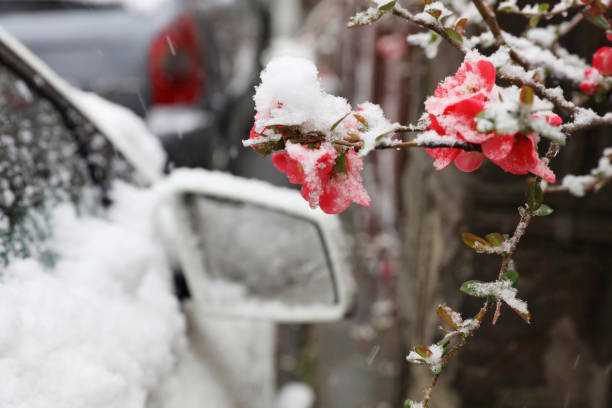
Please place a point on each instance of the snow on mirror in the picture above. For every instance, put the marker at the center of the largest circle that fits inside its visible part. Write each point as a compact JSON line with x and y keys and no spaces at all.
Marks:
{"x":253,"y":254}
{"x":248,"y":249}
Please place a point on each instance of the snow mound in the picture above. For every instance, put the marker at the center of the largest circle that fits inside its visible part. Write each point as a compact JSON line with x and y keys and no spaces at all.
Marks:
{"x":100,"y":328}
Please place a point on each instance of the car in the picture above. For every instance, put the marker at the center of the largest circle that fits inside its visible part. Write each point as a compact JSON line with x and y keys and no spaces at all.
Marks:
{"x":186,"y":66}
{"x":92,"y":229}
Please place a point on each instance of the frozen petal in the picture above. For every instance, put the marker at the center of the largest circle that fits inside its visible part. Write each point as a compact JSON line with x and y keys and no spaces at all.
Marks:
{"x":542,"y":170}
{"x":443,"y":156}
{"x":291,"y":167}
{"x":498,"y":147}
{"x":468,"y":161}
{"x":523,"y":157}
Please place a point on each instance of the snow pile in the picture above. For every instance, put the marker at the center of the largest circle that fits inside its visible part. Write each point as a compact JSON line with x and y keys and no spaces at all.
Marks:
{"x":100,"y":328}
{"x":295,"y":395}
{"x":577,"y":185}
{"x":290,"y":94}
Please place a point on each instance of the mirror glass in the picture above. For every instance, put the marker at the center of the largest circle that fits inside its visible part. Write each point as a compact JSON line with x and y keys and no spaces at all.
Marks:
{"x":253,"y":255}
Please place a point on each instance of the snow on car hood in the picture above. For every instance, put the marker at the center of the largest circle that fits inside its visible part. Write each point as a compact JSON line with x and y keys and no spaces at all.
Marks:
{"x":127,"y":132}
{"x":101,"y":328}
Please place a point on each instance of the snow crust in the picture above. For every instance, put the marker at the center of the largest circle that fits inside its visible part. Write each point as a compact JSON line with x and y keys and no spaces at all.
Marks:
{"x":577,"y":185}
{"x":100,"y":328}
{"x":434,"y":361}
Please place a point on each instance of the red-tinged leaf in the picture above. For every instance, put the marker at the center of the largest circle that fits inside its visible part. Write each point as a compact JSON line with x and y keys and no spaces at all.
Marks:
{"x":475,"y":242}
{"x":497,"y":312}
{"x":449,"y":316}
{"x":423,"y":351}
{"x":526,"y":316}
{"x":435,"y":13}
{"x":460,"y":26}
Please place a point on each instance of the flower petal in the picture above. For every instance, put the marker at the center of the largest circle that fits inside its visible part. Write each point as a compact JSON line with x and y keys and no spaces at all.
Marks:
{"x":498,"y":147}
{"x":443,"y":156}
{"x":468,"y":161}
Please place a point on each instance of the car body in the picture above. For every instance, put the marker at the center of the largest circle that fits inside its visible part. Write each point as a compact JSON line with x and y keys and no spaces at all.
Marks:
{"x":88,"y":313}
{"x":186,"y":66}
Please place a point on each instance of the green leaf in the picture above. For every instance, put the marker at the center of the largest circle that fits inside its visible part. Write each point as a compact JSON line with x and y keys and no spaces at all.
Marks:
{"x":474,"y":288}
{"x":475,"y":242}
{"x":598,"y":20}
{"x":521,"y":210}
{"x":454,"y":35}
{"x":512,"y":276}
{"x":335,"y":125}
{"x":495,"y":238}
{"x":543,"y":7}
{"x":534,"y":196}
{"x":387,"y":6}
{"x":527,"y":95}
{"x":543,"y":211}
{"x":411,"y":404}
{"x":534,"y":21}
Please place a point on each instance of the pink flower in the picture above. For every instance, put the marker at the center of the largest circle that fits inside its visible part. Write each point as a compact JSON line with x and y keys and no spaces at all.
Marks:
{"x":327,"y":182}
{"x":602,"y":61}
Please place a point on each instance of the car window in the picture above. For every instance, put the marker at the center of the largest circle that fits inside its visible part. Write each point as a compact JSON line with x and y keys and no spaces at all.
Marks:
{"x":49,"y":154}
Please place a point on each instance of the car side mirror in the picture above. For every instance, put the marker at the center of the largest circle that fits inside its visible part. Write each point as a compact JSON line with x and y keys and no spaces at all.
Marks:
{"x":252,"y":250}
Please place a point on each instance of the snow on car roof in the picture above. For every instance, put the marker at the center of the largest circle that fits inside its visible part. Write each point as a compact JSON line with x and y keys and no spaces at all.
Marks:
{"x":141,"y":6}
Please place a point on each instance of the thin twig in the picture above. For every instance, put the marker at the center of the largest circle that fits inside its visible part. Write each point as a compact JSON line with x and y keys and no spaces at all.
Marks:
{"x":546,"y":14}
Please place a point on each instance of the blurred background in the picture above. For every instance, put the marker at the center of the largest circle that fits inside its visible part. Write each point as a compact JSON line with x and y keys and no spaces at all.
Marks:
{"x":188,"y":68}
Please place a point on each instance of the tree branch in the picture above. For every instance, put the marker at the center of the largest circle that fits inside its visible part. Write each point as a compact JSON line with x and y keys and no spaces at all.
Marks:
{"x":513,"y":242}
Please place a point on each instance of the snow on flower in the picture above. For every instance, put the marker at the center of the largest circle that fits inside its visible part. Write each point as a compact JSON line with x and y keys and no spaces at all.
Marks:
{"x":295,"y":114}
{"x":456,"y":110}
{"x":602,"y":67}
{"x":329,"y":180}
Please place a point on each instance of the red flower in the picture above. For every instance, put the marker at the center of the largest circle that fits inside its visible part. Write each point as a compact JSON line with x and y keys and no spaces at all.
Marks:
{"x":602,"y":61}
{"x":589,"y":86}
{"x":326,"y":184}
{"x":453,"y":109}
{"x":522,"y":158}
{"x":455,"y":104}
